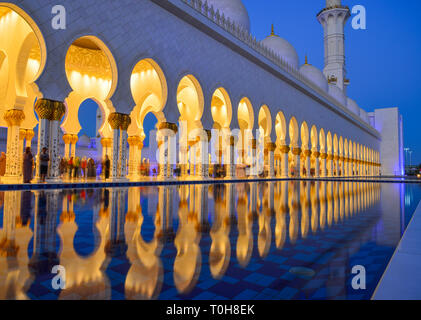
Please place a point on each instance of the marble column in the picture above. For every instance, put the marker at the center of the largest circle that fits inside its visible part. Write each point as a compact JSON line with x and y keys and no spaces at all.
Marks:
{"x":230,"y":161}
{"x":323,"y":157}
{"x":271,"y":159}
{"x":74,"y":140}
{"x":336,"y":163}
{"x":106,"y":146}
{"x":284,"y":161}
{"x":67,"y":138}
{"x":114,"y":120}
{"x":307,"y":155}
{"x":167,"y":157}
{"x":296,"y":151}
{"x":54,"y":150}
{"x":316,"y":156}
{"x":253,"y":165}
{"x":29,"y":136}
{"x":44,"y":108}
{"x":13,"y":118}
{"x":22,"y":136}
{"x":184,"y":154}
{"x":202,"y":168}
{"x":330,"y":158}
{"x":134,"y":144}
{"x":124,"y":125}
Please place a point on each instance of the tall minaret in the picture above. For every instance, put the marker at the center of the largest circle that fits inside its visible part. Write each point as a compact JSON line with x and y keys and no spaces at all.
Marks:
{"x":333,"y":19}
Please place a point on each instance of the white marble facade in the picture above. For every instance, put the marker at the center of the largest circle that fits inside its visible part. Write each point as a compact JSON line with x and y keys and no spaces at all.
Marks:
{"x":183,"y":38}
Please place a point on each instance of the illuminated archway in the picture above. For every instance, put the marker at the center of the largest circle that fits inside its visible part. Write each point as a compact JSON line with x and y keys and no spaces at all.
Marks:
{"x":23,"y":56}
{"x":323,"y":152}
{"x":221,"y":109}
{"x":190,"y":104}
{"x":305,"y":139}
{"x":148,"y":86}
{"x":314,"y":165}
{"x":246,"y":122}
{"x":293,"y":160}
{"x":92,"y":74}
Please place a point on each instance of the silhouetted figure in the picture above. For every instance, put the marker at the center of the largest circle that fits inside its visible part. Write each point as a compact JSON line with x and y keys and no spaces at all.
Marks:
{"x":28,"y":164}
{"x":107,"y":166}
{"x":44,"y":158}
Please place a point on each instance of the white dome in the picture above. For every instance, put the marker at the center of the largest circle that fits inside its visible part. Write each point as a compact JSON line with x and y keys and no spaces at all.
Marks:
{"x":314,"y":75}
{"x":234,"y":10}
{"x":84,"y":141}
{"x":282,"y":48}
{"x":337,"y":93}
{"x":353,"y":106}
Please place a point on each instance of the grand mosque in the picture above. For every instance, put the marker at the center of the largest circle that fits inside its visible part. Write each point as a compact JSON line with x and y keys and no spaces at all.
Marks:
{"x":219,"y":95}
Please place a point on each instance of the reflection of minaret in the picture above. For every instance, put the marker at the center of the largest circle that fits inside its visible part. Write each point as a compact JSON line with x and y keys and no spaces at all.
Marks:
{"x":46,"y":210}
{"x":333,"y":19}
{"x":99,"y":120}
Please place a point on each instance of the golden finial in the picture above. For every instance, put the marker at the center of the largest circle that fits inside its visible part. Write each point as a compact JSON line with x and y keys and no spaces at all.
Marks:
{"x":273,"y":31}
{"x":306,"y":60}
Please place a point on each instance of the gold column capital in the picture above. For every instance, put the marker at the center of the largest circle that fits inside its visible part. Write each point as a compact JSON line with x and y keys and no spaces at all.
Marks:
{"x":50,"y":109}
{"x":29,"y":134}
{"x":270,"y":146}
{"x":307,"y":153}
{"x":169,"y":126}
{"x":114,"y":119}
{"x":316,"y":154}
{"x":67,"y":138}
{"x":106,"y":142}
{"x":74,"y":138}
{"x":285,"y":149}
{"x":125,"y":122}
{"x":22,"y":134}
{"x":14,"y":117}
{"x":296,"y":151}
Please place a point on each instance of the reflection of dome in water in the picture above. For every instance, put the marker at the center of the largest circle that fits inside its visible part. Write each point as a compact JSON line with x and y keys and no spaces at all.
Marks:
{"x":234,"y":10}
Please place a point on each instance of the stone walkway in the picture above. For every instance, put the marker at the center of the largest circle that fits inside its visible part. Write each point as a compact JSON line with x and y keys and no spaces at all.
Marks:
{"x":402,"y":278}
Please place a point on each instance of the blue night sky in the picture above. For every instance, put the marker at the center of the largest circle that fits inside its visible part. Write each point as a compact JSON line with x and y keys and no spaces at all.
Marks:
{"x":383,"y":62}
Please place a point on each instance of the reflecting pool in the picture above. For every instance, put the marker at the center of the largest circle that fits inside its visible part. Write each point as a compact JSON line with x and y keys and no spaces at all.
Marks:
{"x":268,"y":240}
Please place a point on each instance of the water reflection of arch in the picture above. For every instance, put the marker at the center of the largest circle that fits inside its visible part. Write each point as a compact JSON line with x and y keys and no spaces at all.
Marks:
{"x":314,"y":193}
{"x":15,"y":236}
{"x":294,"y":206}
{"x":220,"y":250}
{"x":145,"y":277}
{"x":265,"y":232}
{"x":85,"y":276}
{"x":281,"y":210}
{"x":245,"y":224}
{"x":305,"y":204}
{"x":188,"y":262}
